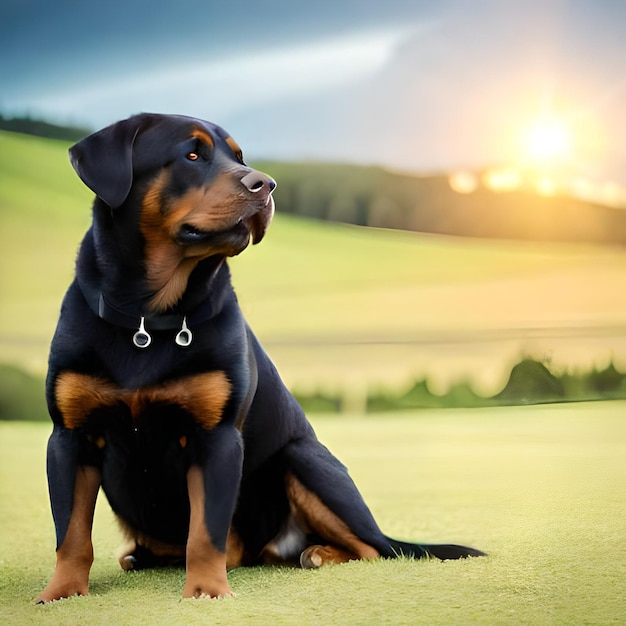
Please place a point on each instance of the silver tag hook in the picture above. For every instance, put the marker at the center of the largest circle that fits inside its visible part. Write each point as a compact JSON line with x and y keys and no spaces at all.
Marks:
{"x":184,"y":335}
{"x":142,"y":338}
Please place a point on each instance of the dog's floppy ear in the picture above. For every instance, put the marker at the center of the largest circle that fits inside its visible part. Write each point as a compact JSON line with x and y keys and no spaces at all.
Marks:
{"x":104,"y":160}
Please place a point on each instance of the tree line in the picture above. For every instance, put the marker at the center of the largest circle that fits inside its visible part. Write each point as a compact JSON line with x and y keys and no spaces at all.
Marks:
{"x":374,"y":196}
{"x":31,"y":126}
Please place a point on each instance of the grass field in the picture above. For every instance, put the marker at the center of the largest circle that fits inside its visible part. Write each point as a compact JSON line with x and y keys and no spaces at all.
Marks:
{"x":336,"y":305}
{"x":541,"y":489}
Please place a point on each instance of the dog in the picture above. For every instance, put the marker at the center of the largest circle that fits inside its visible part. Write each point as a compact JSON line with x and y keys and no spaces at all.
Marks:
{"x":160,"y":393}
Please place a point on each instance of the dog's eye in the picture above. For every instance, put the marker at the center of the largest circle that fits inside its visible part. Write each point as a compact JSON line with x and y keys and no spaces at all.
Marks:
{"x":239,"y":156}
{"x":192,"y":156}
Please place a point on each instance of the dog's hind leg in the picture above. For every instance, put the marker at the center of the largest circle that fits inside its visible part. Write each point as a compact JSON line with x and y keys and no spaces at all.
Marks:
{"x":314,"y":518}
{"x":327,"y":504}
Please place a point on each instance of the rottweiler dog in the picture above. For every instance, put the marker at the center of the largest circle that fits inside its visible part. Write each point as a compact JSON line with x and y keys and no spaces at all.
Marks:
{"x":161,"y":394}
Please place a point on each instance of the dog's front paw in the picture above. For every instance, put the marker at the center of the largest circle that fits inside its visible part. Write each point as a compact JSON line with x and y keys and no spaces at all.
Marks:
{"x":206,"y":589}
{"x":58,"y":589}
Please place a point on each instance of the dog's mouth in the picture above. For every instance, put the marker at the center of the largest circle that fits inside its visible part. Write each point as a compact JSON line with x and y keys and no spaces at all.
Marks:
{"x":258,"y":223}
{"x":231,"y":240}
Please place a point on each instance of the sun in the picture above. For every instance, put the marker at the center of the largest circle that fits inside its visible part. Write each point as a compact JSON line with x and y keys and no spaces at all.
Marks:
{"x":547,"y":141}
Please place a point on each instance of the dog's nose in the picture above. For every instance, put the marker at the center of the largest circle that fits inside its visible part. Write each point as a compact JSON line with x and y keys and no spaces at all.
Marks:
{"x":255,"y":182}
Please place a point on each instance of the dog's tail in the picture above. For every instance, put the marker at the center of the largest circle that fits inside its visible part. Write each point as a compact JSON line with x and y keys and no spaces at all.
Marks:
{"x":444,"y":552}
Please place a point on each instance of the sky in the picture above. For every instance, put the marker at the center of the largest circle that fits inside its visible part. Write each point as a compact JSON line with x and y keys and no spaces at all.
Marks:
{"x":415,"y":85}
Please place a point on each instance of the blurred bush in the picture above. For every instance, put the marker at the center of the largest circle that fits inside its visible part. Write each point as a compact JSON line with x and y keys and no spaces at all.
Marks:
{"x":22,"y":396}
{"x":531,"y":382}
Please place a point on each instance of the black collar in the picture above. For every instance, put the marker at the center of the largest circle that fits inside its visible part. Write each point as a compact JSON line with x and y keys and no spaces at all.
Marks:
{"x":182,"y":322}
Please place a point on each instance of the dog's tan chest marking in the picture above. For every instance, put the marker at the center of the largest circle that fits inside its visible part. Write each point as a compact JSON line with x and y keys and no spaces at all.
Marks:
{"x":203,"y":395}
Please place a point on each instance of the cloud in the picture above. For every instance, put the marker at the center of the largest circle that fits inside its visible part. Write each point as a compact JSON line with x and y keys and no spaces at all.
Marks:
{"x":416,"y":85}
{"x":222,"y":86}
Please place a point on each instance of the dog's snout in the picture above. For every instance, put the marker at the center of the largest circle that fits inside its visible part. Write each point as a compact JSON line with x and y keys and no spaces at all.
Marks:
{"x":257,"y":181}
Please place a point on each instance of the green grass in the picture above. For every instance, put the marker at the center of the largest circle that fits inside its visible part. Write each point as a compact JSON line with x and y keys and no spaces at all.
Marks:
{"x":540,"y":488}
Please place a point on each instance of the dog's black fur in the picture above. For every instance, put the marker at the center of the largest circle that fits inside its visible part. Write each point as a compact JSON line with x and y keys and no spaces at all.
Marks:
{"x":159,"y":391}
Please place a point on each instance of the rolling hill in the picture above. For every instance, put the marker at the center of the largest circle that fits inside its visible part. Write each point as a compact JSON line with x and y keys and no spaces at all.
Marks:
{"x":336,"y":304}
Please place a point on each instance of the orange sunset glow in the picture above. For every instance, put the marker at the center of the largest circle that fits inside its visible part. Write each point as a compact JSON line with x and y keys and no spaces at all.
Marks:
{"x":549,"y":154}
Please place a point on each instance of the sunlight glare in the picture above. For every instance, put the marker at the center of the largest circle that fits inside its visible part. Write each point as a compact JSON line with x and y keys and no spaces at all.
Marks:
{"x":546,"y":186}
{"x":501,"y":179}
{"x":463,"y":182}
{"x":548,"y":140}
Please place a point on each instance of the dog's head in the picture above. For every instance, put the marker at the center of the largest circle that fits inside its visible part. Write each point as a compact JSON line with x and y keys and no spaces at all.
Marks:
{"x":189,"y":173}
{"x":183,"y":182}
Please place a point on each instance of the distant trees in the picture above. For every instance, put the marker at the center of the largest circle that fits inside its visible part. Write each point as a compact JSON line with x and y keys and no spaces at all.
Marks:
{"x":373,"y":196}
{"x":31,"y":126}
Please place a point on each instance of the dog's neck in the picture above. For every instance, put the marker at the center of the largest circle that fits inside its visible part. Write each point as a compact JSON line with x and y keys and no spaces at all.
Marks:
{"x":122,"y":296}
